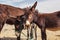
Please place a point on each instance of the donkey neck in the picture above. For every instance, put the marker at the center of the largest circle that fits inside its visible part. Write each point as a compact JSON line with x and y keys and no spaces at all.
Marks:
{"x":38,"y":19}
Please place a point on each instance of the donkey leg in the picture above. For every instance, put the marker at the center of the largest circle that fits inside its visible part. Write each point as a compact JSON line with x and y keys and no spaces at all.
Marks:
{"x":0,"y":29}
{"x":19,"y":37}
{"x":35,"y":32}
{"x":27,"y":34}
{"x":31,"y":33}
{"x":43,"y":34}
{"x":43,"y":29}
{"x":18,"y":34}
{"x":1,"y":26}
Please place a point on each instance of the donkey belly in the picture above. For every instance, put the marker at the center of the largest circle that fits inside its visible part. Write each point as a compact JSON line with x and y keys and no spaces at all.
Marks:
{"x":53,"y":24}
{"x":54,"y":29}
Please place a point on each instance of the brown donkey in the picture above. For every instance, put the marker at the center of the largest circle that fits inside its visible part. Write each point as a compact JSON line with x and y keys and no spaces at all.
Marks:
{"x":7,"y":11}
{"x":50,"y":21}
{"x":14,"y":15}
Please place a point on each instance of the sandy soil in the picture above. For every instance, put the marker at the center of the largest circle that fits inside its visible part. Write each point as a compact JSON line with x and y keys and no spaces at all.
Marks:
{"x":8,"y":31}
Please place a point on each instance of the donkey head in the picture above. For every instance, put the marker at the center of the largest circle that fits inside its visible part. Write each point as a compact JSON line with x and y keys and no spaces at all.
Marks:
{"x":29,"y":14}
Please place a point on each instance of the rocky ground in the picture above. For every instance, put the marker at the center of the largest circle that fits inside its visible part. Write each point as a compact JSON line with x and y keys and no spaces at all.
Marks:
{"x":8,"y":33}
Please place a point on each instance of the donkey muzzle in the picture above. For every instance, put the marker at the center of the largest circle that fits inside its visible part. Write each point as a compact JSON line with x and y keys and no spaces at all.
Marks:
{"x":27,"y":23}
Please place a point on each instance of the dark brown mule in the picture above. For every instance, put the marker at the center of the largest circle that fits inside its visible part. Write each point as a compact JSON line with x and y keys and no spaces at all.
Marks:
{"x":7,"y":11}
{"x":9,"y":15}
{"x":50,"y":21}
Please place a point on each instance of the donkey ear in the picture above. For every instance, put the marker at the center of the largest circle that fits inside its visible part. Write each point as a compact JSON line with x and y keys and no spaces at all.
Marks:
{"x":34,"y":6}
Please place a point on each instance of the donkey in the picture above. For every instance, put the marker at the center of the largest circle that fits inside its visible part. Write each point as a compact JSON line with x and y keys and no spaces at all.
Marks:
{"x":7,"y":11}
{"x":50,"y":21}
{"x":12,"y":15}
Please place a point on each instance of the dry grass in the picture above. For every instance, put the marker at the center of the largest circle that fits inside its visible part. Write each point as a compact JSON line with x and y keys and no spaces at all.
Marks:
{"x":8,"y":31}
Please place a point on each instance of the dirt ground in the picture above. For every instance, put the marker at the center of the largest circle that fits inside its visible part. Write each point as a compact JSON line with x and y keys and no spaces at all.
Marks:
{"x":8,"y":31}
